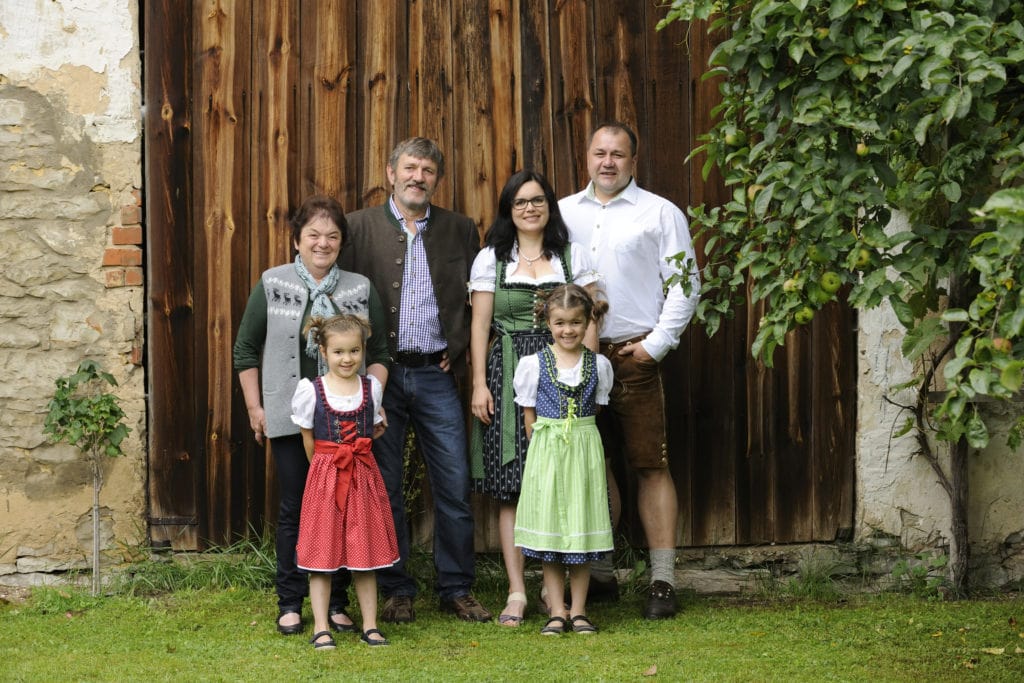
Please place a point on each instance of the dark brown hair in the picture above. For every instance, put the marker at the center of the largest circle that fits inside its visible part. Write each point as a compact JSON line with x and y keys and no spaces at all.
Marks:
{"x":502,"y":233}
{"x":315,"y":206}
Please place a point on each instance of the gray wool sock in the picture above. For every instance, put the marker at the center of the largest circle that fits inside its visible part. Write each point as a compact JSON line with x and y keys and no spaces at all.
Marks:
{"x":663,"y":565}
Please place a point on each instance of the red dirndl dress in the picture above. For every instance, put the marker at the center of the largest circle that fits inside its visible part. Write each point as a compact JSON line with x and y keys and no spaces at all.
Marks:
{"x":346,"y":520}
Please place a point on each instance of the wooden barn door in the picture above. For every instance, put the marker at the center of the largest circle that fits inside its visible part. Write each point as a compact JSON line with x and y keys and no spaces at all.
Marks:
{"x":253,"y":104}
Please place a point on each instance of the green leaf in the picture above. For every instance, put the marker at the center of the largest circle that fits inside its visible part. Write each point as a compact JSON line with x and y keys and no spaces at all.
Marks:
{"x":1012,"y":376}
{"x":831,"y":69}
{"x":921,"y":128}
{"x":955,"y":315}
{"x":763,"y":200}
{"x":908,"y":425}
{"x":952,"y":191}
{"x":919,"y":339}
{"x":904,"y":313}
{"x":976,"y":432}
{"x":838,"y":8}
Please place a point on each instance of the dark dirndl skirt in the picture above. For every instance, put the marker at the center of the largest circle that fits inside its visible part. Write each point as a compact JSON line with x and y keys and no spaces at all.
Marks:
{"x":502,"y":481}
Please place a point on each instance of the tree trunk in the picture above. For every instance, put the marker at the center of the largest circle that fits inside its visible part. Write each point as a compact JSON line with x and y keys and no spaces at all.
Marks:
{"x":97,"y":483}
{"x":960,"y":549}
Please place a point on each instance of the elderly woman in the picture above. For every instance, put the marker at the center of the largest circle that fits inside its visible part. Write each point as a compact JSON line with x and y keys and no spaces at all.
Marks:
{"x":527,"y":254}
{"x":271,"y":347}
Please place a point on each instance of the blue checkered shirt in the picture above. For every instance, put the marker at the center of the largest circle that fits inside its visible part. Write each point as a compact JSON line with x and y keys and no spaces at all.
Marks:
{"x":419,"y":321}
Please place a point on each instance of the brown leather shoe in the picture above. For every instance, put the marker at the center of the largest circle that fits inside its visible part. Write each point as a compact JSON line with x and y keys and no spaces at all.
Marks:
{"x":466,"y":608}
{"x":398,"y":609}
{"x":661,"y":601}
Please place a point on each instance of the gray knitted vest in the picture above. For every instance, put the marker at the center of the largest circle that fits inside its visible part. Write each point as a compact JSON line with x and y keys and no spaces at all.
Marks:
{"x":287,"y":299}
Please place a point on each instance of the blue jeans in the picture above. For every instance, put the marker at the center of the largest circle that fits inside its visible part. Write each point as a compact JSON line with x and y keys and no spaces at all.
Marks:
{"x":427,"y":397}
{"x":292,"y":584}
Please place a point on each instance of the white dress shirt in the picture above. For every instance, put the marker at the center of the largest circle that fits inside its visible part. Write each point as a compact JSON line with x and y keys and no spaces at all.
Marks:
{"x":631,"y":241}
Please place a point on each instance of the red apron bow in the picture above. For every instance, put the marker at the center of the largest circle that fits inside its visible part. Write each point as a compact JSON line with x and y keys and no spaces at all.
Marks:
{"x":344,"y":458}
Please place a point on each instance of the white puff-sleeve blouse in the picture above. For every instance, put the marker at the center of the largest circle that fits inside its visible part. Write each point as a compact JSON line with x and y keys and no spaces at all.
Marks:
{"x":484,"y":272}
{"x":304,"y":401}
{"x":528,"y":375}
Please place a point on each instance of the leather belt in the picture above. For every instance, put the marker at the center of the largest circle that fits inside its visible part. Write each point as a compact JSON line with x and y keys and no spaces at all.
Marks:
{"x":411,"y":359}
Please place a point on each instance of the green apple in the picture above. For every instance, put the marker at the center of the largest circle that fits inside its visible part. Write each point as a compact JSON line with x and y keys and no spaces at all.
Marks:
{"x":830,"y":281}
{"x":817,"y":254}
{"x":863,"y":258}
{"x":803,"y":315}
{"x":734,"y":137}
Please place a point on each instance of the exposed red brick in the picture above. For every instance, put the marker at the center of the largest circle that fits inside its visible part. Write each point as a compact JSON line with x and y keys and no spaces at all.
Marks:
{"x":130,"y":235}
{"x":131,"y":214}
{"x":122,"y":256}
{"x":137,"y":195}
{"x":133,"y":277}
{"x":115,"y":277}
{"x":136,"y":356}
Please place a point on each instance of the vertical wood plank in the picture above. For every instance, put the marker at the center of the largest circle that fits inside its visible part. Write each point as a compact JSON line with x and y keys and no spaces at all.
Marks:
{"x":431,"y":100}
{"x":381,"y":123}
{"x":222,"y":205}
{"x":792,"y":443}
{"x":833,"y":422}
{"x":332,"y":109}
{"x":534,"y":68}
{"x":755,"y":489}
{"x":174,"y":465}
{"x":621,"y":41}
{"x":473,"y":158}
{"x":505,"y":119}
{"x":574,"y":103}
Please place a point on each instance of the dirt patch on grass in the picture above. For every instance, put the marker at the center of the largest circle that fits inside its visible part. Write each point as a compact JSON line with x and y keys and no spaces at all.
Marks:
{"x":14,"y":594}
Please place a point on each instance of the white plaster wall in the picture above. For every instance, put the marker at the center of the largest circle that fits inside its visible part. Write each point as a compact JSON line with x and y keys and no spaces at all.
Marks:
{"x":42,"y":38}
{"x":897,"y":493}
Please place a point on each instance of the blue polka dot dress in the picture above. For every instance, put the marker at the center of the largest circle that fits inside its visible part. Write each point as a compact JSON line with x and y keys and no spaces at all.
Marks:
{"x":562,"y":515}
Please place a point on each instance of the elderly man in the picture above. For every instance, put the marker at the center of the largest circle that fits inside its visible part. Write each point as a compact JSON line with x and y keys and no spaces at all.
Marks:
{"x":631,"y":236}
{"x":418,"y":256}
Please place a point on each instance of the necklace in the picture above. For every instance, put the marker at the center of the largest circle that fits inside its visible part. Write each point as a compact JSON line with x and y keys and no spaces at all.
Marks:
{"x":529,"y":260}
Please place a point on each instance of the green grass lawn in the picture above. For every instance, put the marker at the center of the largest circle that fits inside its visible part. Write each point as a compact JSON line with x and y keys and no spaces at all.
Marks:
{"x":228,"y":635}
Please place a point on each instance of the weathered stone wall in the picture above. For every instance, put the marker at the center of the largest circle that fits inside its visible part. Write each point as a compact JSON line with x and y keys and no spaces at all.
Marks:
{"x":70,"y":288}
{"x":898,"y":495}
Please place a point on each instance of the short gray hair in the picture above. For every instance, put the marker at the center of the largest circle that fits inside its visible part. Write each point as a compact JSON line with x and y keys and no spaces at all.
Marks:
{"x":419,"y":148}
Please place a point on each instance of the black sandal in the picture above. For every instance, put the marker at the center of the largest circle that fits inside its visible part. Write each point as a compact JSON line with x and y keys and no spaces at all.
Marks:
{"x":289,"y":629}
{"x":580,"y":624}
{"x":341,"y":628}
{"x":370,"y":641}
{"x":326,"y":645}
{"x":554,"y":627}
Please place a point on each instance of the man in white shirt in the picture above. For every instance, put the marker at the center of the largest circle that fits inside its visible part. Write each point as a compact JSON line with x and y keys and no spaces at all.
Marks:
{"x":632,"y":236}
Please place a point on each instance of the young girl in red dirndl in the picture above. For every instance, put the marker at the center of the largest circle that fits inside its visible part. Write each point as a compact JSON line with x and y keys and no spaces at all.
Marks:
{"x":346,"y":520}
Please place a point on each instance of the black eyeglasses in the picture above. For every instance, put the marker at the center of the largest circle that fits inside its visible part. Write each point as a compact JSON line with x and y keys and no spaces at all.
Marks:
{"x":520,"y":203}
